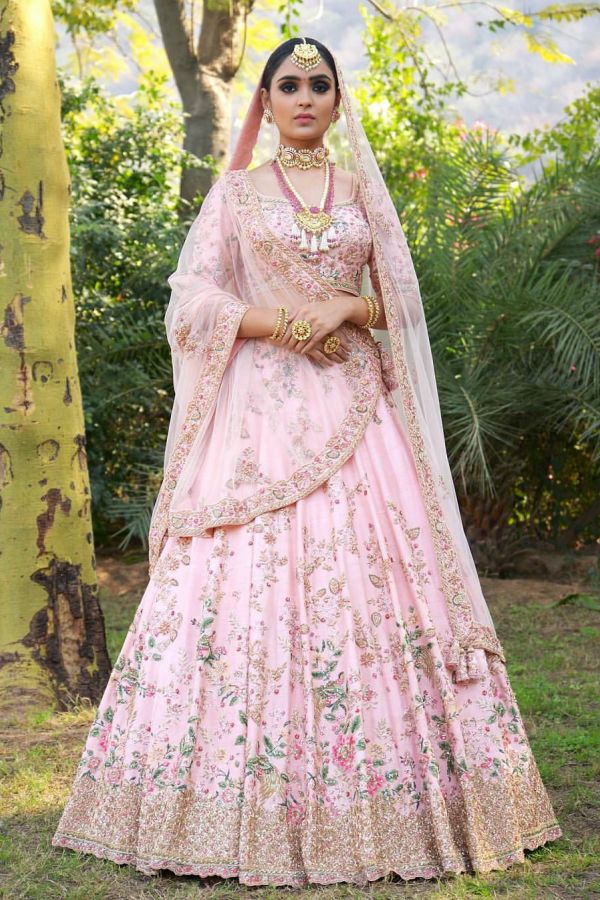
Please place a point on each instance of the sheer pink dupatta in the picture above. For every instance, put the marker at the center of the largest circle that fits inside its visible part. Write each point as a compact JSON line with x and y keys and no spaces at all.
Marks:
{"x":415,"y":393}
{"x":230,"y":261}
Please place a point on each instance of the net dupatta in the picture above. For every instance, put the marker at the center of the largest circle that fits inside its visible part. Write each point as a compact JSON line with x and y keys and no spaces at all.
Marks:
{"x":415,"y":394}
{"x":417,"y":401}
{"x":211,"y":395}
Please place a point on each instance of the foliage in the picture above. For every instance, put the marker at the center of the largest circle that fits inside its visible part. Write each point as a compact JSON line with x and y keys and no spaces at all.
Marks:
{"x":90,"y":18}
{"x":574,"y":137}
{"x":290,"y":11}
{"x":126,"y":233}
{"x":509,"y":276}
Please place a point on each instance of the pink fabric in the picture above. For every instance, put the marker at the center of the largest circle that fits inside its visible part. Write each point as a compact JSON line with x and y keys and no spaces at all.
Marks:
{"x":282,"y":709}
{"x":303,"y":639}
{"x":246,"y":141}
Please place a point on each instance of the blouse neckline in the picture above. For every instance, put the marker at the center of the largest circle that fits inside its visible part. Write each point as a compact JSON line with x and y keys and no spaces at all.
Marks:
{"x":282,"y":199}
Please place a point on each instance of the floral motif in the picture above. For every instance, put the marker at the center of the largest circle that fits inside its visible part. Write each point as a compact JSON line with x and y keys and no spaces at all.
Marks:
{"x":283,"y":681}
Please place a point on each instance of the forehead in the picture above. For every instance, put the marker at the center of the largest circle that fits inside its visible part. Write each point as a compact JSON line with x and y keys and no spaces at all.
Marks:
{"x":288,"y":68}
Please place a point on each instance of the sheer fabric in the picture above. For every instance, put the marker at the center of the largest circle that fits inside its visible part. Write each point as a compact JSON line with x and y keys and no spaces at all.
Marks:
{"x":239,"y":446}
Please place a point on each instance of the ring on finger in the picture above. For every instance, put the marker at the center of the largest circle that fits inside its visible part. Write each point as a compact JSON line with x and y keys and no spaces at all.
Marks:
{"x":301,"y":329}
{"x":332,"y":344}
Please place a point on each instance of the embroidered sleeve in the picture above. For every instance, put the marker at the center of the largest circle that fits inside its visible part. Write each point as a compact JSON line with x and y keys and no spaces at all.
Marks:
{"x":205,"y":286}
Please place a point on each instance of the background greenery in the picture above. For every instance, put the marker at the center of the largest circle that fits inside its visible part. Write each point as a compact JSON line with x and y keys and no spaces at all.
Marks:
{"x":505,"y":235}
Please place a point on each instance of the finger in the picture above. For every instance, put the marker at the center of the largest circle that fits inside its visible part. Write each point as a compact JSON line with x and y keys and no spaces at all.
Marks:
{"x":314,"y":340}
{"x":322,"y":358}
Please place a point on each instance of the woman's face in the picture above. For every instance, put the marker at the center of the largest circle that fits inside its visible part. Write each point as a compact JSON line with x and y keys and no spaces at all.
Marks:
{"x":301,"y":102}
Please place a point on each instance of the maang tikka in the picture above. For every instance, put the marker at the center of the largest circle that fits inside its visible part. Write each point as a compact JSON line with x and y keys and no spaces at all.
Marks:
{"x":306,"y":55}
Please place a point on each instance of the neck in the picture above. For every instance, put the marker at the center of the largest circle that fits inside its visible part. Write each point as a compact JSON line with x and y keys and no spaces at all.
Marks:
{"x":299,"y":144}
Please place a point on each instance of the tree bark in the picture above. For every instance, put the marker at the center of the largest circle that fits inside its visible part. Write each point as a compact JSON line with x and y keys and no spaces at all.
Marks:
{"x":203,"y":74}
{"x":52,"y":641}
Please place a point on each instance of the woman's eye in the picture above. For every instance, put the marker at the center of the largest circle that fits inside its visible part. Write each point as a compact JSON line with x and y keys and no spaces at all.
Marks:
{"x":319,"y":86}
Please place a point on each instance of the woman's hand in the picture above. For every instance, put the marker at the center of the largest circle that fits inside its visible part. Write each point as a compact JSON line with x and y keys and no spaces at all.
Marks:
{"x":325,"y":318}
{"x":318,"y":354}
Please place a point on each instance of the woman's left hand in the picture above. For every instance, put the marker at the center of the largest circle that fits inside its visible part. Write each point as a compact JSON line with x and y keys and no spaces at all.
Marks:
{"x":325,"y":317}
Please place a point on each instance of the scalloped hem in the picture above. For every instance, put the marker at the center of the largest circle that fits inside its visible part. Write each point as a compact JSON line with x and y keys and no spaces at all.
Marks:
{"x":153,"y":865}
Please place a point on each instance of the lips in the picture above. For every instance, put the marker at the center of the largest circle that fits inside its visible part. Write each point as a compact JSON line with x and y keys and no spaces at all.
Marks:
{"x":304,"y":118}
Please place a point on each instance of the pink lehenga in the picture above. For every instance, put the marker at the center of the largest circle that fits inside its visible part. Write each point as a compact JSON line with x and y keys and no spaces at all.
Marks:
{"x":310,"y":690}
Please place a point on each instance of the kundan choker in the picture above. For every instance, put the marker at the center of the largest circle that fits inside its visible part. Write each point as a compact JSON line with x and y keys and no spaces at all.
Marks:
{"x":303,"y":158}
{"x":314,"y":220}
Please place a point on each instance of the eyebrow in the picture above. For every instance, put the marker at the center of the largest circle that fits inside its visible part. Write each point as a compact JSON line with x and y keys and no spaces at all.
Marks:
{"x":310,"y":77}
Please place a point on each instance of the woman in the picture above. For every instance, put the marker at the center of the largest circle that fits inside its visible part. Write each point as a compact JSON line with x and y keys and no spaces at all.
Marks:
{"x":311,"y":689}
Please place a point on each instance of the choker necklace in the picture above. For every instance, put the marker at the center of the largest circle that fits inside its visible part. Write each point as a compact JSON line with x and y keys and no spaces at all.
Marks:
{"x":302,"y":158}
{"x":314,"y":220}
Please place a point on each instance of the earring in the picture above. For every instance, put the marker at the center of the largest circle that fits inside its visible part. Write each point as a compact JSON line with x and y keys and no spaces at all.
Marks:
{"x":268,"y":115}
{"x":335,"y":114}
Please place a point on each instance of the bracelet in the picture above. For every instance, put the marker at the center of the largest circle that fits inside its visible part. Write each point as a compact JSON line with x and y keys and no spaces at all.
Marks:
{"x":373,"y":305}
{"x":281,"y":324}
{"x":286,"y":316}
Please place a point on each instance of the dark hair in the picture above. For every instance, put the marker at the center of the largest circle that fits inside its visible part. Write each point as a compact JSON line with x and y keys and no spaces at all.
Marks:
{"x":284,"y":50}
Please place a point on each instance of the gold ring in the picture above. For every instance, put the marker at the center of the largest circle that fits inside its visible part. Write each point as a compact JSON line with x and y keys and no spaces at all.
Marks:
{"x":301,"y":329}
{"x":331,"y":344}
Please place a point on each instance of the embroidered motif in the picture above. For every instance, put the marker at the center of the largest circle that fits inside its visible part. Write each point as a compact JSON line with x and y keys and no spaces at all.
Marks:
{"x":217,"y":356}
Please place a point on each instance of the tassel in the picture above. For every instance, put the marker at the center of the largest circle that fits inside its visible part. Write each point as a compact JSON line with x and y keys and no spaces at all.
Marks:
{"x":314,"y":247}
{"x":295,"y":230}
{"x":323,"y":244}
{"x":303,"y":241}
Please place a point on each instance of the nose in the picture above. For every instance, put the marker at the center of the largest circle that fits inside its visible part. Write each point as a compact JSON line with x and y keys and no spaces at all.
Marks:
{"x":304,"y":96}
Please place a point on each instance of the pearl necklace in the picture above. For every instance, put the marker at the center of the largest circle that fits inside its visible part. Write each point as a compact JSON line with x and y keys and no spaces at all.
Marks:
{"x":314,"y":220}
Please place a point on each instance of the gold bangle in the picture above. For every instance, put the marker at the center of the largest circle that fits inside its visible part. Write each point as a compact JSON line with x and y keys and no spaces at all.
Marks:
{"x":280,"y":314}
{"x":369,"y":303}
{"x":376,"y":313}
{"x":373,"y":305}
{"x":286,"y":318}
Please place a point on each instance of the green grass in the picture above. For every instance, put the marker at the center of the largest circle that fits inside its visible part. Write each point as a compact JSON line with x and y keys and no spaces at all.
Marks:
{"x":553,"y":663}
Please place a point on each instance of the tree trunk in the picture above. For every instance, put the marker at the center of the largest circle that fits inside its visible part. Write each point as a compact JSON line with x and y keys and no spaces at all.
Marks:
{"x":52,"y":641}
{"x":204,"y":76}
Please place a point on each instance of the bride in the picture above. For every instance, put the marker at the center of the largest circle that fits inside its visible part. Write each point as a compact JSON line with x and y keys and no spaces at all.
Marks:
{"x":311,"y":689}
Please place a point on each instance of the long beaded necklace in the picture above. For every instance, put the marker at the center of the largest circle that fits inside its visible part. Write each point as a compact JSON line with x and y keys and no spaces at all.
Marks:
{"x":314,"y":220}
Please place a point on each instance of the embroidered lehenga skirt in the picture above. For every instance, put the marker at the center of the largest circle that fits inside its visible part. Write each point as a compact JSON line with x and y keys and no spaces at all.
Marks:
{"x":280,"y":712}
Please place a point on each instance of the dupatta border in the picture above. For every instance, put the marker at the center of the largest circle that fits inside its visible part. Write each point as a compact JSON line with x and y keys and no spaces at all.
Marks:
{"x":468,"y":635}
{"x":337,"y":449}
{"x":205,"y":392}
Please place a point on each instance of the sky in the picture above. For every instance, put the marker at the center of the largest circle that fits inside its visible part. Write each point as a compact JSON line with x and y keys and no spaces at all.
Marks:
{"x":542,"y":90}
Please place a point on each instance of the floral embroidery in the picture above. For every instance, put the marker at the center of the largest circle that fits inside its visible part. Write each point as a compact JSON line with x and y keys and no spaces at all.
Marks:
{"x":216,"y":358}
{"x":304,"y":705}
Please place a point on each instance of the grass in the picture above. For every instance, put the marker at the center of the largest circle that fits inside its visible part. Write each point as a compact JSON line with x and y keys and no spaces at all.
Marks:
{"x":553,"y":663}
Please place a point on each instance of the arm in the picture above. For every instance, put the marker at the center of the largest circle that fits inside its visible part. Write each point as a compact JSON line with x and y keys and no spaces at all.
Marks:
{"x":381,"y":322}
